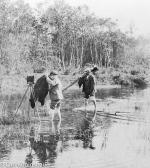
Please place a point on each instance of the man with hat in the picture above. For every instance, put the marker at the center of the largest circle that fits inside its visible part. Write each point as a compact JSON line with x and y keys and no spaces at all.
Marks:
{"x":87,"y":81}
{"x":55,"y":93}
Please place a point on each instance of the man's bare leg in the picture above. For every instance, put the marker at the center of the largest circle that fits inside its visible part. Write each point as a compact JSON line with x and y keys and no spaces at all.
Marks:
{"x":86,"y":103}
{"x":52,"y":114}
{"x":95,"y":108}
{"x":59,"y":113}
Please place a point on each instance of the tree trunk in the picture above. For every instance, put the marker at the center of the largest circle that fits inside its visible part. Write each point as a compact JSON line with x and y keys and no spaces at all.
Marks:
{"x":91,"y":52}
{"x":62,"y":56}
{"x":96,"y":54}
{"x":71,"y":56}
{"x":82,"y":50}
{"x":114,"y":53}
{"x":77,"y":53}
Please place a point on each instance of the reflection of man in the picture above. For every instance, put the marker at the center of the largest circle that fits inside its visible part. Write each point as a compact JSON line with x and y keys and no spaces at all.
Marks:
{"x":86,"y":133}
{"x":87,"y":81}
{"x":46,"y":147}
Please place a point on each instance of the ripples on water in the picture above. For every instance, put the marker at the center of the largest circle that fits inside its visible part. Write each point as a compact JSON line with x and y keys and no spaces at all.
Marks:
{"x":113,"y":141}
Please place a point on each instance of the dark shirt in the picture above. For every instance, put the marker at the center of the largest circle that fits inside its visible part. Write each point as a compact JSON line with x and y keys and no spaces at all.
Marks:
{"x":88,"y":84}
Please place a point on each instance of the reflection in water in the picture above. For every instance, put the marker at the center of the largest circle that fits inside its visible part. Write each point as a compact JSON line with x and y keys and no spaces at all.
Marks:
{"x":85,"y":132}
{"x":3,"y":150}
{"x":116,"y":143}
{"x":45,"y":146}
{"x":49,"y":144}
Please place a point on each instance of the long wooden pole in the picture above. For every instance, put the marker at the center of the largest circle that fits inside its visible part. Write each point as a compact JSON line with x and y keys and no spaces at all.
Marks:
{"x":75,"y":81}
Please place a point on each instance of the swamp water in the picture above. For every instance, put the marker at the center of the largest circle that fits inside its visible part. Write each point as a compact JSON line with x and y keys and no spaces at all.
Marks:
{"x":120,"y":137}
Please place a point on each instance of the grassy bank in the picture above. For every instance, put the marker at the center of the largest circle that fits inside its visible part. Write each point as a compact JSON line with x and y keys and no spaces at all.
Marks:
{"x":14,"y":84}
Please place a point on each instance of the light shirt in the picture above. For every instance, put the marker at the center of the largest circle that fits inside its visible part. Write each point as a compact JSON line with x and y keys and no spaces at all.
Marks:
{"x":55,"y":88}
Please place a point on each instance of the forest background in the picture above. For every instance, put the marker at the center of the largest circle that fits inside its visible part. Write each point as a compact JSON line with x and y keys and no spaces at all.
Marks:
{"x":67,"y":39}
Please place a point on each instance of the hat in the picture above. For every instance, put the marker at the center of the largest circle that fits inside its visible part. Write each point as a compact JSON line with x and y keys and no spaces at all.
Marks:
{"x":53,"y":72}
{"x":94,"y":68}
{"x":87,"y":70}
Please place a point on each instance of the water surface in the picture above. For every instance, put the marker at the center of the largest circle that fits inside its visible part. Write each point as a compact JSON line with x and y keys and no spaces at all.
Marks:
{"x":113,"y":141}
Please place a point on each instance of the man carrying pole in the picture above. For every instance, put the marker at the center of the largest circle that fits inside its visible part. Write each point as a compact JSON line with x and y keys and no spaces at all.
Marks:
{"x":87,"y":81}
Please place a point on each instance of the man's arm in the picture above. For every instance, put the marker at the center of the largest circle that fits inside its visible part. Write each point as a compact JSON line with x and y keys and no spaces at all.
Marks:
{"x":51,"y":82}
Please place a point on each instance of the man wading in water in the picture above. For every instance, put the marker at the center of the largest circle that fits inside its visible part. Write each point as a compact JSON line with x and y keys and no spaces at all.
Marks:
{"x":87,"y":81}
{"x":55,"y":93}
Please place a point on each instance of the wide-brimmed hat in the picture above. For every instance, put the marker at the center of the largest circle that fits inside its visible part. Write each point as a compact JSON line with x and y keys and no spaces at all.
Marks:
{"x":53,"y":72}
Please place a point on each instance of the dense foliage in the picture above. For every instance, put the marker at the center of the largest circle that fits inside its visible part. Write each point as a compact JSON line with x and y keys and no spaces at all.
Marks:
{"x":62,"y":37}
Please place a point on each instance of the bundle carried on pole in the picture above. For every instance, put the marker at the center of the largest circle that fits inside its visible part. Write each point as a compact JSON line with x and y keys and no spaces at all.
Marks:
{"x":39,"y":92}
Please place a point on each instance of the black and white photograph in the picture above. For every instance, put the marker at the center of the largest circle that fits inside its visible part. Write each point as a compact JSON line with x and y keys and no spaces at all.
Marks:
{"x":74,"y":84}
